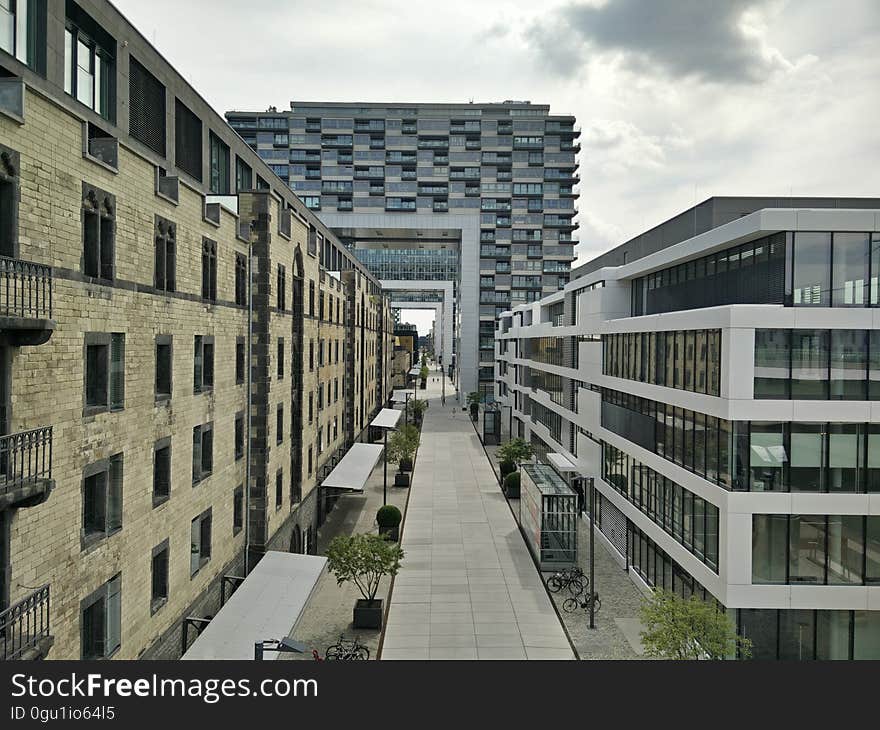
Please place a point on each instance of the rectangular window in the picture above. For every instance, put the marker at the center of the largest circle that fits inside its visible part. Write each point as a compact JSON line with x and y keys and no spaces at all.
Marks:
{"x":99,"y":233}
{"x":104,"y":372}
{"x":219,"y":165}
{"x":239,"y":361}
{"x":849,"y":273}
{"x":209,"y":270}
{"x":89,"y":67}
{"x":282,"y":288}
{"x":809,"y":364}
{"x":239,"y":435}
{"x":772,"y":352}
{"x":187,"y":140}
{"x":279,"y":489}
{"x":849,"y":363}
{"x":279,"y":423}
{"x":238,"y":509}
{"x":164,"y":277}
{"x":200,"y":542}
{"x":807,"y":546}
{"x":161,"y":471}
{"x":241,"y":277}
{"x":203,"y":452}
{"x":101,"y":620}
{"x":280,"y":363}
{"x":812,"y":269}
{"x":159,"y":574}
{"x":203,"y":364}
{"x":102,"y":498}
{"x":163,"y":367}
{"x":244,"y":179}
{"x":769,"y":548}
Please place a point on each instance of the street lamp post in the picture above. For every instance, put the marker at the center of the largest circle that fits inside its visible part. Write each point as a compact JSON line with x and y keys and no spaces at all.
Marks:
{"x":385,"y":470}
{"x":592,"y":553}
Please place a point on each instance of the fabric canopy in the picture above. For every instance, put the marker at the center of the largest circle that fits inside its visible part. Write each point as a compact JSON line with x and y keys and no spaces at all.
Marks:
{"x":354,"y":468}
{"x":386,"y":418}
{"x":562,"y":463}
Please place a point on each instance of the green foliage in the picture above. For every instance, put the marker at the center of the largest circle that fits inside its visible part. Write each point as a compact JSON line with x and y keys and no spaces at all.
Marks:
{"x":423,"y":373}
{"x":416,"y":408}
{"x":424,"y":360}
{"x":511,"y":481}
{"x":388,"y":516}
{"x":363,"y":560}
{"x":473,"y":398}
{"x":403,"y":443}
{"x":515,"y":451}
{"x":506,"y":467}
{"x":676,"y":628}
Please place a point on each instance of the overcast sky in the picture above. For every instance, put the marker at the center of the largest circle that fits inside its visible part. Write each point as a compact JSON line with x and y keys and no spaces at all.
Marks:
{"x":678,"y":100}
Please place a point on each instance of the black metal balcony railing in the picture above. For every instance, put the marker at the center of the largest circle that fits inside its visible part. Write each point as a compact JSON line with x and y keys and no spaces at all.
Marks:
{"x":25,"y":289}
{"x":25,"y":458}
{"x":24,"y":624}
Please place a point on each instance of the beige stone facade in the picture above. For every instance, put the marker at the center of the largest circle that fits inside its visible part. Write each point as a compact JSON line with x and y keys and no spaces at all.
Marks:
{"x":260,"y":487}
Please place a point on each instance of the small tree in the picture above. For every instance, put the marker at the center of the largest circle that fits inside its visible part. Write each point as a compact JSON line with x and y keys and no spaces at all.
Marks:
{"x":416,"y":409}
{"x":363,"y":560}
{"x":403,"y":444}
{"x":676,"y":628}
{"x":514,"y":451}
{"x":423,"y":372}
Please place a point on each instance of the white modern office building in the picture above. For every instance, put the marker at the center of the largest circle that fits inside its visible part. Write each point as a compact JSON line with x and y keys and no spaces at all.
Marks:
{"x":718,"y":377}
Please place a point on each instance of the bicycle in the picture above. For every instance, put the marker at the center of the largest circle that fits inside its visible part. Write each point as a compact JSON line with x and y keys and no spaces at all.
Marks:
{"x":571,"y":578}
{"x":347,"y":650}
{"x":570,"y":605}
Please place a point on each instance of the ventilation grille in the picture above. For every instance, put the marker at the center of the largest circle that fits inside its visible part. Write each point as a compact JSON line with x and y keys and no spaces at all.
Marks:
{"x":188,"y":141}
{"x":146,"y":108}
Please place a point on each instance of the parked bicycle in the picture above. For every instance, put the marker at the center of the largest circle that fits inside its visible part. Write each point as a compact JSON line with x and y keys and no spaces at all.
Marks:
{"x":347,"y":650}
{"x":570,"y":605}
{"x":572,"y":578}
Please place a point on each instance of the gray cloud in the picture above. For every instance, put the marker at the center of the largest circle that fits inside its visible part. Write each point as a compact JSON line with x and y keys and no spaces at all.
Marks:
{"x":678,"y":38}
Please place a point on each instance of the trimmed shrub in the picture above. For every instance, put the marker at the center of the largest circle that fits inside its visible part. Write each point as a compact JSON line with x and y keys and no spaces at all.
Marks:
{"x":388,"y":516}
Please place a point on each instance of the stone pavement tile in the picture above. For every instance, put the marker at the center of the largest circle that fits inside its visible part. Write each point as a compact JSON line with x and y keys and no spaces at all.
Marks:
{"x":453,"y":653}
{"x":539,"y":652}
{"x":405,"y":641}
{"x":421,"y":653}
{"x":511,"y":653}
{"x":486,"y":640}
{"x":452,"y":640}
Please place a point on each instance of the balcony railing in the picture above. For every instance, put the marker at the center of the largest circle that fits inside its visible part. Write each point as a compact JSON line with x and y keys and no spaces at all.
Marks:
{"x":25,"y":466}
{"x":25,"y":289}
{"x":24,"y":626}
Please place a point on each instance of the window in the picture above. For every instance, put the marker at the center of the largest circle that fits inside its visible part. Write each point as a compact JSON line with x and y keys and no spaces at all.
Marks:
{"x":311,"y":298}
{"x":311,"y":354}
{"x":243,"y":175}
{"x":200,"y":539}
{"x":203,"y":364}
{"x":99,"y":232}
{"x":219,"y":165}
{"x":279,"y":489}
{"x":241,"y":277}
{"x":165,"y":242}
{"x":89,"y":69}
{"x":161,"y":471}
{"x":282,"y":288}
{"x":101,"y":620}
{"x":239,"y":435}
{"x":102,"y":499}
{"x":812,"y":269}
{"x":809,"y":364}
{"x":104,"y":372}
{"x":159,"y":573}
{"x":310,"y":465}
{"x":209,"y":270}
{"x":312,"y":409}
{"x":280,"y":365}
{"x":203,"y":452}
{"x":279,"y":423}
{"x":239,"y":361}
{"x":146,"y":107}
{"x":238,"y":509}
{"x":188,"y":140}
{"x":163,"y":367}
{"x":20,"y":29}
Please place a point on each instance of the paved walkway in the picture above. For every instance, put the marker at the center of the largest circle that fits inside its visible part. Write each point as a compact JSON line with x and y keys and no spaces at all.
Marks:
{"x":468,"y":588}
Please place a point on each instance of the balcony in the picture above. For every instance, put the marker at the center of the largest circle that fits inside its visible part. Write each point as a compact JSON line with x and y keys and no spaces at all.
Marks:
{"x":24,"y":627}
{"x":25,"y":468}
{"x":25,"y":302}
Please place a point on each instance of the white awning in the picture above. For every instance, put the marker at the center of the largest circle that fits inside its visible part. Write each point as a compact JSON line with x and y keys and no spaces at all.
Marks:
{"x":415,"y":371}
{"x":267,"y":605}
{"x":354,"y":468}
{"x":400,"y":396}
{"x":560,"y":462}
{"x":386,"y":418}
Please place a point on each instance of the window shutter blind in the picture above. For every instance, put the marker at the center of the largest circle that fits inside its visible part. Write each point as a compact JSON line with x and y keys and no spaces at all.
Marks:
{"x":117,"y":370}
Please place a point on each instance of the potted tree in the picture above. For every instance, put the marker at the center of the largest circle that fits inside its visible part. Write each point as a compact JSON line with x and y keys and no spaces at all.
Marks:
{"x":510,"y":454}
{"x":423,"y":374}
{"x":401,"y":448}
{"x":364,"y":560}
{"x":511,"y":485}
{"x":416,"y":410}
{"x":473,"y":401}
{"x":388,"y":517}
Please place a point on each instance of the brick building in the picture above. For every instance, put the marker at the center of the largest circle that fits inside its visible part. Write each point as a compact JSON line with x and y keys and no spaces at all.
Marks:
{"x":185,"y":349}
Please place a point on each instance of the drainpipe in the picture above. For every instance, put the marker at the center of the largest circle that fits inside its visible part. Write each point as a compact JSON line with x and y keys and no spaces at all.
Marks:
{"x":247,"y":453}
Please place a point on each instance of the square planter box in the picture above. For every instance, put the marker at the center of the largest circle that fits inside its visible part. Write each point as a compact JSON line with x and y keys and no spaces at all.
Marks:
{"x":401,"y":480}
{"x":393,"y":533}
{"x":367,"y":614}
